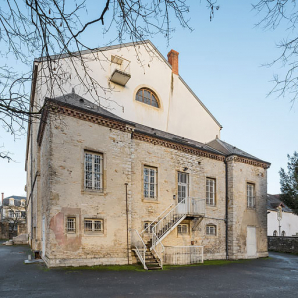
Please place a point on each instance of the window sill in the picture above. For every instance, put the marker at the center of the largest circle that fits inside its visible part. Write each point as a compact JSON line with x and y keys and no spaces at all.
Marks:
{"x":154,"y":201}
{"x":94,"y":234}
{"x":93,"y":192}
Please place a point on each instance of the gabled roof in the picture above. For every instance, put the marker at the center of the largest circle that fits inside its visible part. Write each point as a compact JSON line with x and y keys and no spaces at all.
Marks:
{"x":228,"y":149}
{"x":16,"y":197}
{"x":132,"y":44}
{"x":273,"y":201}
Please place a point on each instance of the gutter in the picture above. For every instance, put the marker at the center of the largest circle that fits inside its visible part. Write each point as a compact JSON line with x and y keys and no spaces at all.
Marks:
{"x":227,"y":209}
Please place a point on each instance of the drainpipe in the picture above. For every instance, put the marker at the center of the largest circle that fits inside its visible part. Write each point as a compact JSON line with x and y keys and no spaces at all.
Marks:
{"x":127,"y":244}
{"x":227,"y":215}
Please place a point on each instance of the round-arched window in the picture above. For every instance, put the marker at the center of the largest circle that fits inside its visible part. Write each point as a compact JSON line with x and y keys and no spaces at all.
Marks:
{"x":275,"y":233}
{"x":283,"y":233}
{"x":148,"y":97}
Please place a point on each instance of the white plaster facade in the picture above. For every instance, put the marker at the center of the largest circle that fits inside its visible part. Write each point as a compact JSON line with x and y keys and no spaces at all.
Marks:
{"x":169,"y":139}
{"x":288,"y":223}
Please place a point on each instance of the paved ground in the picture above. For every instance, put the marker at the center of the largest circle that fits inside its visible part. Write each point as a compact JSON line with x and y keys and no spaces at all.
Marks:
{"x":273,"y":277}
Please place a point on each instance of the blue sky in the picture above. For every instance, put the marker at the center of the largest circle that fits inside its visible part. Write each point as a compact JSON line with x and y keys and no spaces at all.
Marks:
{"x":222,"y":62}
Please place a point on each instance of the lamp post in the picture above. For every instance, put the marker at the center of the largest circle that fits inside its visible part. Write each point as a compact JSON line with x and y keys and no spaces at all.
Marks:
{"x":279,"y":217}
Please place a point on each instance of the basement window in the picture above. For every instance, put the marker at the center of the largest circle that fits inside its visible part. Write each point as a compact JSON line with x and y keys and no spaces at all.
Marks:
{"x":93,"y":226}
{"x":211,"y":230}
{"x":71,"y":225}
{"x":183,"y":229}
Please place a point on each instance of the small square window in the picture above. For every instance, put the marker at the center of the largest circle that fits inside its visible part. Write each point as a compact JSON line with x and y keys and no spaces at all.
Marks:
{"x":211,"y":230}
{"x":148,"y":227}
{"x":71,"y":225}
{"x":183,"y":229}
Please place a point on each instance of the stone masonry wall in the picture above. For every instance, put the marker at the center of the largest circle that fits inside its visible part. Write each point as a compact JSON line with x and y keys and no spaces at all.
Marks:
{"x":283,"y":244}
{"x":240,"y":216}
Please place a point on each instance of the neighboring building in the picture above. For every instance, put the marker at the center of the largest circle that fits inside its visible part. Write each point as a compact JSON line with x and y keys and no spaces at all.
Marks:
{"x":288,"y":223}
{"x":150,"y":172}
{"x":12,"y":216}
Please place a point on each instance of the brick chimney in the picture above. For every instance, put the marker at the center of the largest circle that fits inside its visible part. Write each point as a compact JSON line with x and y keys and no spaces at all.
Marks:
{"x":173,"y":60}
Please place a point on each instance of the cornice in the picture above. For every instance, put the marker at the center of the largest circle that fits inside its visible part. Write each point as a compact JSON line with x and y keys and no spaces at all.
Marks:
{"x":176,"y":146}
{"x":252,"y":162}
{"x":114,"y":124}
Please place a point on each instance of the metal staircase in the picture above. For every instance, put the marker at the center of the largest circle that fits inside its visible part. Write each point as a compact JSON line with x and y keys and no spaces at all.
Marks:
{"x":150,"y":252}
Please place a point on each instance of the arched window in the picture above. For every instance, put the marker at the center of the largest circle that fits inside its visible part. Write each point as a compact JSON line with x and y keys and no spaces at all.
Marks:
{"x":148,"y":97}
{"x":211,"y":230}
{"x":283,"y":233}
{"x":275,"y":233}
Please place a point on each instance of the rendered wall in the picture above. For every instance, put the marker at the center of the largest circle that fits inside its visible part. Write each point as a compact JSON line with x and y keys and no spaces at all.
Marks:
{"x":179,"y":113}
{"x":288,"y":223}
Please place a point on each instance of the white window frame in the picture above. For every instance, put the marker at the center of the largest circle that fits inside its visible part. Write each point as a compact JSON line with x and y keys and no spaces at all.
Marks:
{"x":11,"y":214}
{"x":210,"y":191}
{"x":183,"y":229}
{"x":211,"y":230}
{"x":250,"y":195}
{"x":150,"y":183}
{"x":93,"y":171}
{"x":71,"y":224}
{"x":93,"y":229}
{"x":146,"y":225}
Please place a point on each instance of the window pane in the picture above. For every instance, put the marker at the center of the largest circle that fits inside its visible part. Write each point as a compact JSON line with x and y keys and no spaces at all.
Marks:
{"x":88,"y":225}
{"x":97,"y":225}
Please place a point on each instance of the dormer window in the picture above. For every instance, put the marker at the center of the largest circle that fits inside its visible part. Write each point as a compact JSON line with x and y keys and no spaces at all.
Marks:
{"x":148,"y":97}
{"x":11,"y":202}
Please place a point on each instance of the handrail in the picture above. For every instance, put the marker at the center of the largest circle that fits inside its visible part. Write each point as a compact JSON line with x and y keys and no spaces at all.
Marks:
{"x":159,"y":216}
{"x":141,"y":256}
{"x":162,"y":251}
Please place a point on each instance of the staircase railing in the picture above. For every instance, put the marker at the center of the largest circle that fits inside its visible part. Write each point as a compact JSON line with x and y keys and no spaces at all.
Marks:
{"x":158,"y":250}
{"x":168,"y":222}
{"x":149,"y":227}
{"x":140,"y":247}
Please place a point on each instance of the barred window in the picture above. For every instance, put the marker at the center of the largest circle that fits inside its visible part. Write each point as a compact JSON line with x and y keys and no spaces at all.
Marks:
{"x":93,"y":225}
{"x":211,"y":230}
{"x":148,"y":97}
{"x":93,"y":171}
{"x":71,"y":225}
{"x":210,"y":192}
{"x":250,"y":195}
{"x":146,"y":225}
{"x":182,"y":229}
{"x":150,"y":182}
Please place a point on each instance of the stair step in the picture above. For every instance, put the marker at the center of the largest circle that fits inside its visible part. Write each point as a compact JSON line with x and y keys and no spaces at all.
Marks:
{"x":154,"y":268}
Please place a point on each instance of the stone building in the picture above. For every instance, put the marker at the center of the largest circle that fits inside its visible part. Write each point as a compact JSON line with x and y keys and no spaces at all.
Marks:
{"x":146,"y":178}
{"x":12,"y":216}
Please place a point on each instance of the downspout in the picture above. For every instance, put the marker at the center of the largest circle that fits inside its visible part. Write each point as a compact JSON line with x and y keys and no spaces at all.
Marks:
{"x":127,"y":244}
{"x":227,"y":214}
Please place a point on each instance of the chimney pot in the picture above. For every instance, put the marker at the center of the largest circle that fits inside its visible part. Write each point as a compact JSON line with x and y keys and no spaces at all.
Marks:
{"x":173,"y":60}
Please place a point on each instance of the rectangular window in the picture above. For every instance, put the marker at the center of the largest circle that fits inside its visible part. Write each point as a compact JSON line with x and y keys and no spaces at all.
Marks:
{"x":71,"y":225}
{"x":150,"y":182}
{"x":93,"y":225}
{"x":182,"y":229}
{"x":11,"y":214}
{"x":183,"y":186}
{"x":250,"y":195}
{"x":210,"y":192}
{"x":211,"y":230}
{"x":18,"y":214}
{"x":93,"y":171}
